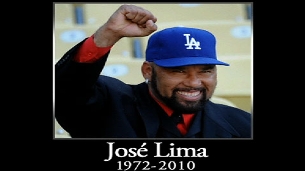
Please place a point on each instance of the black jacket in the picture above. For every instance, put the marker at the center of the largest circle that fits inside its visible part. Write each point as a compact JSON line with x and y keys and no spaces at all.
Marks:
{"x":89,"y":105}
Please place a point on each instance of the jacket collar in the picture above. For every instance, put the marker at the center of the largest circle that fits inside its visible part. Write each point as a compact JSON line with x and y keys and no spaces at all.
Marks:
{"x":147,"y":108}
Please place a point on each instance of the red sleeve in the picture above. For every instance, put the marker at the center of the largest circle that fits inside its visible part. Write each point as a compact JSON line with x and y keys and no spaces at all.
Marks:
{"x":89,"y":52}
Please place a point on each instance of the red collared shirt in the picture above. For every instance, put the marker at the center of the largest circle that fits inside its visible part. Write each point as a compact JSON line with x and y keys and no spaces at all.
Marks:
{"x":187,"y":118}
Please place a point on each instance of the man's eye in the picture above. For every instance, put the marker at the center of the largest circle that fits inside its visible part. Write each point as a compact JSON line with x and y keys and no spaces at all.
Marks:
{"x":207,"y":71}
{"x":178,"y":70}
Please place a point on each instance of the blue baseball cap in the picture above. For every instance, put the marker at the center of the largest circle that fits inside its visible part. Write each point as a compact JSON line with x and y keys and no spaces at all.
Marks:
{"x":180,"y":46}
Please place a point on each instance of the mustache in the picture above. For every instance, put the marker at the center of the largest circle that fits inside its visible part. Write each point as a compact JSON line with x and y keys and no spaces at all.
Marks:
{"x":190,"y":89}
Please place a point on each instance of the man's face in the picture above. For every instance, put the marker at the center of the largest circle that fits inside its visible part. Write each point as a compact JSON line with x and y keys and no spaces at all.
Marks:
{"x":184,"y":88}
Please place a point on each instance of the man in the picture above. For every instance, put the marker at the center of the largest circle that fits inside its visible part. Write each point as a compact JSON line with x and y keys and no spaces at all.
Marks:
{"x":180,"y":77}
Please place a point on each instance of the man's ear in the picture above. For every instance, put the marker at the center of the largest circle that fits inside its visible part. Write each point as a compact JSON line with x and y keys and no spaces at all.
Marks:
{"x":146,"y":70}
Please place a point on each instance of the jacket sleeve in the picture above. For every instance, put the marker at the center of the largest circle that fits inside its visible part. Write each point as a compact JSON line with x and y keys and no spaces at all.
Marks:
{"x":75,"y":85}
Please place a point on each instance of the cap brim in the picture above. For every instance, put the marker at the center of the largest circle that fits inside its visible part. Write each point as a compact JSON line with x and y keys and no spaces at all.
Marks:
{"x":176,"y":62}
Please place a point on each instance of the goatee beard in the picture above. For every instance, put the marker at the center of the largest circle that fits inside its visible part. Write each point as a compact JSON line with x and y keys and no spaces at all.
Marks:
{"x":173,"y":103}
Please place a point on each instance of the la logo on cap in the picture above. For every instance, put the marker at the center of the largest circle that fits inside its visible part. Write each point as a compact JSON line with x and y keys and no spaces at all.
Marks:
{"x":189,"y":44}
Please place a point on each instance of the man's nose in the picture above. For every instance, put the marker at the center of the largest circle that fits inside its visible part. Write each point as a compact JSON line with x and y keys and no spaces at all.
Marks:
{"x":193,"y":80}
